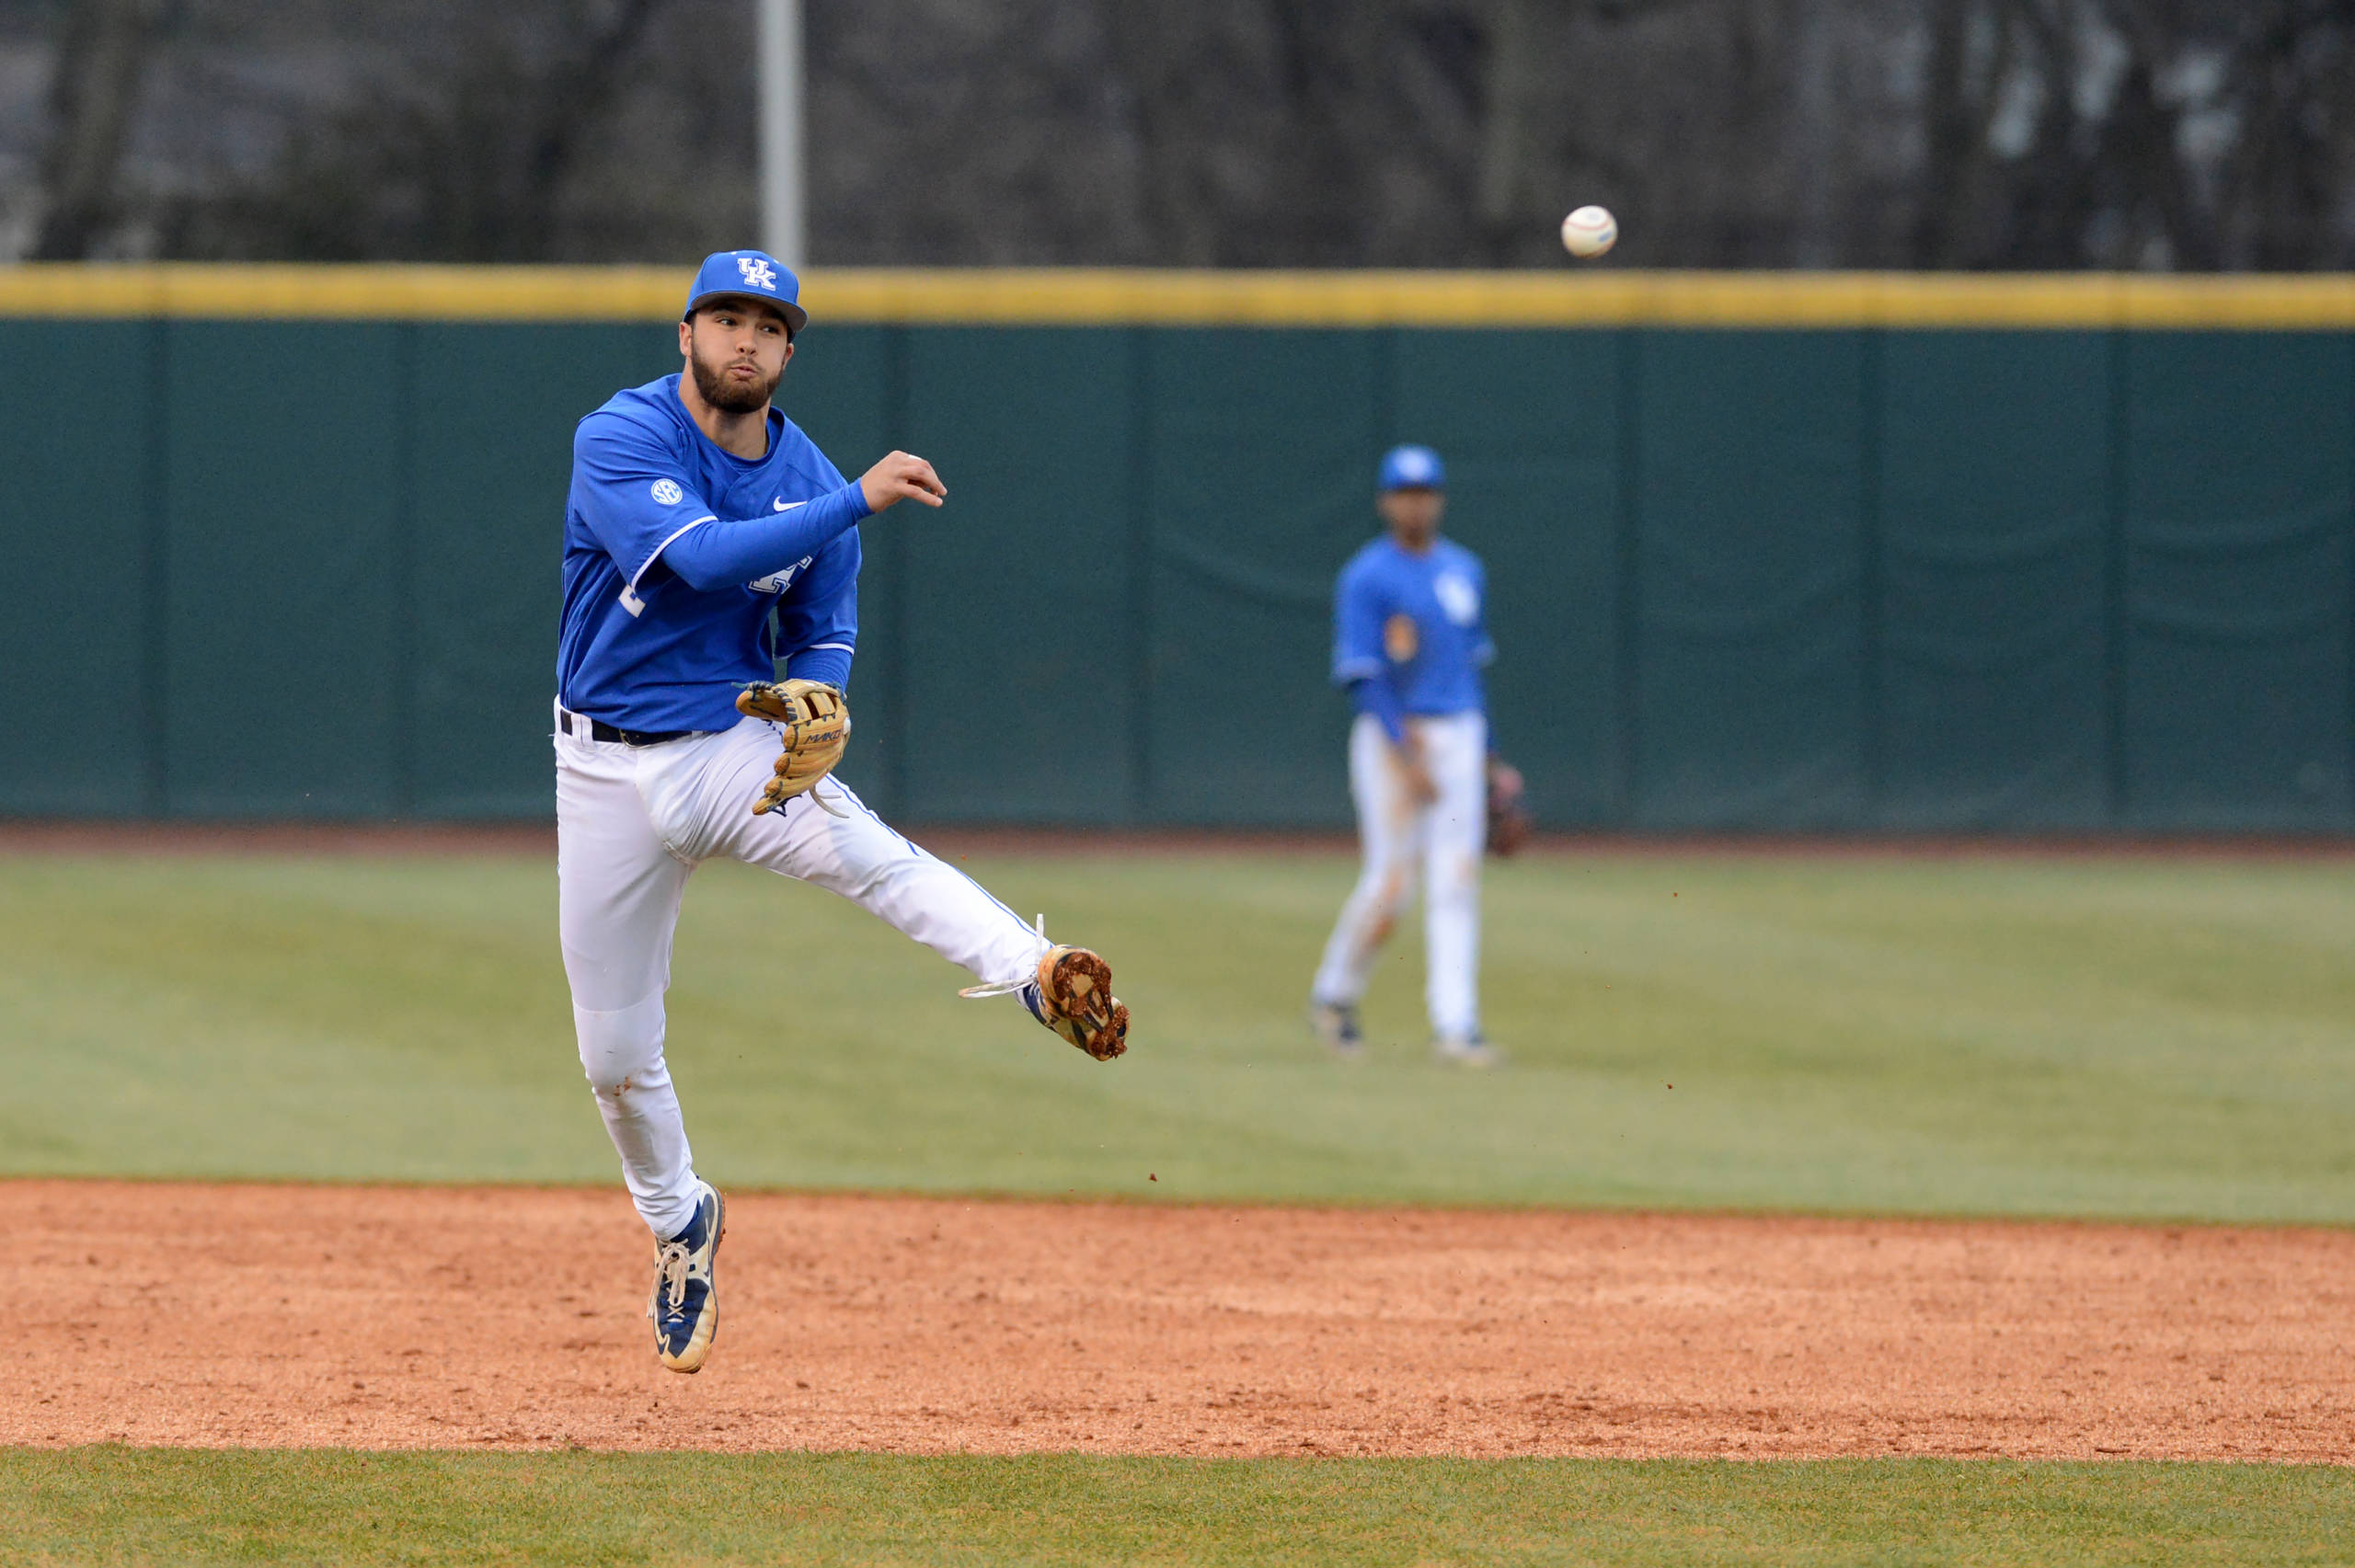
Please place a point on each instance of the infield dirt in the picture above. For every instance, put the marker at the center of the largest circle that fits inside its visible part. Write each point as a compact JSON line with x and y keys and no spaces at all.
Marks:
{"x":378,"y":1317}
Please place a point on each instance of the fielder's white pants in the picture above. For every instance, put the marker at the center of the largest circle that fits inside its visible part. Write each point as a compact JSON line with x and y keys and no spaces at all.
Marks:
{"x":1445,"y":836}
{"x":632,"y":825}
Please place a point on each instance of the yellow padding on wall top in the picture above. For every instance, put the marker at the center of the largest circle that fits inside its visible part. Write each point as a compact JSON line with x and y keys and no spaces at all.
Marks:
{"x":1112,"y":297}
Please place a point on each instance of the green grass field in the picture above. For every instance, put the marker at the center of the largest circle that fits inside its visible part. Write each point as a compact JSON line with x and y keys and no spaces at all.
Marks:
{"x":1994,"y":1037}
{"x":681,"y":1510}
{"x":2000,"y":1035}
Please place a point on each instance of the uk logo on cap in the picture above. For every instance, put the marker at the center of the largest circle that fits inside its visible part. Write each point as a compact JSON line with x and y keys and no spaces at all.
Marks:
{"x":749,"y":274}
{"x":1412,"y":468}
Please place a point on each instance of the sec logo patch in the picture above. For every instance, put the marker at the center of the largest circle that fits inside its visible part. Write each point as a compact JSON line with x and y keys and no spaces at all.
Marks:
{"x":667,"y":491}
{"x":1400,"y":638}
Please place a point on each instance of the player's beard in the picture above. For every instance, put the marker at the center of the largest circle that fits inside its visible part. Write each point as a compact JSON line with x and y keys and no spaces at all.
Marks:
{"x":731,"y":397}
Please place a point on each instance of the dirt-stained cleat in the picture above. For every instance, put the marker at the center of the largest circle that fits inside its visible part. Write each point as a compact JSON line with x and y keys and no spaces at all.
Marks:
{"x":1336,"y":1024}
{"x":1472,"y":1050}
{"x":1073,"y":996}
{"x":684,"y":1307}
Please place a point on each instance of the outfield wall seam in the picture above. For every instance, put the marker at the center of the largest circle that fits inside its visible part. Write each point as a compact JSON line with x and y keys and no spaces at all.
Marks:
{"x":1132,"y":297}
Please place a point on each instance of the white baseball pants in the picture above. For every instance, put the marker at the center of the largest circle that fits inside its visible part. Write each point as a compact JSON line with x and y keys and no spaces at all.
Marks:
{"x":1447,"y":836}
{"x":632,"y":824}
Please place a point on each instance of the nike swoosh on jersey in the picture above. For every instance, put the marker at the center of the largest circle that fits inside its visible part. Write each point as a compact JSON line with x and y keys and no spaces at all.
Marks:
{"x":781,"y":504}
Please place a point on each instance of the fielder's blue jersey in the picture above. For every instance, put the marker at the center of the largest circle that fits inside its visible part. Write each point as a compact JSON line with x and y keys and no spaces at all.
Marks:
{"x":1417,"y":622}
{"x":641,"y":647}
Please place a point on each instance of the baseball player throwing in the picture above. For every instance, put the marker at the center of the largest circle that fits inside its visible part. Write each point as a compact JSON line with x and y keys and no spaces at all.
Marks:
{"x":1410,"y":637}
{"x":705,"y":539}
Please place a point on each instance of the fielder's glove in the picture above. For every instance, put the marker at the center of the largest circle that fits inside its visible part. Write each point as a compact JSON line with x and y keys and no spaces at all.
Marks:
{"x":1508,"y":813}
{"x":816,"y":725}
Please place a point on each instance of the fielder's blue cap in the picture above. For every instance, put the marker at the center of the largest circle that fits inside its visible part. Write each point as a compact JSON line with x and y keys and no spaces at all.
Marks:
{"x":1413,"y":468}
{"x":751,"y":275}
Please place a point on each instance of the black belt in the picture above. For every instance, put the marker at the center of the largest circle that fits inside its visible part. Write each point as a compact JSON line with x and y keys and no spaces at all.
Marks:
{"x":600,"y":730}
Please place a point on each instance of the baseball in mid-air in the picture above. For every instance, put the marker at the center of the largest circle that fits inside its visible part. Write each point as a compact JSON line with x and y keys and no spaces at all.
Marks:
{"x":1589,"y":231}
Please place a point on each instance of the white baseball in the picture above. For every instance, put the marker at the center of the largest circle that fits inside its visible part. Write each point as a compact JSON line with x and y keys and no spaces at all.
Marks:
{"x":1589,"y":231}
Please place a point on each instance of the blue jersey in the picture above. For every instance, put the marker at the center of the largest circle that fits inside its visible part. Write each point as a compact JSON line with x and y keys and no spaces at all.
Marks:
{"x":642,"y":647}
{"x":1416,"y":623}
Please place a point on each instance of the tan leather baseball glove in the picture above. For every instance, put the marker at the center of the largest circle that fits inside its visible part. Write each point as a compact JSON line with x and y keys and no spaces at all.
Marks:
{"x":815,"y":722}
{"x":1507,"y":809}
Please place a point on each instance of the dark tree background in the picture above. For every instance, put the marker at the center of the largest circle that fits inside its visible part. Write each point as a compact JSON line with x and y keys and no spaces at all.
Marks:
{"x":1933,"y":133}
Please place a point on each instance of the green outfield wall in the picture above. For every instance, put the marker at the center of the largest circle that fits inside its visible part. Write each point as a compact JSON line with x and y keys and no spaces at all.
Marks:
{"x":1825,"y":553}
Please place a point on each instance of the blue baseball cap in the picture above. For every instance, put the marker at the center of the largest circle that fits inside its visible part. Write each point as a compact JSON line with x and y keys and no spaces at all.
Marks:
{"x":749,"y":275}
{"x":1413,"y":468}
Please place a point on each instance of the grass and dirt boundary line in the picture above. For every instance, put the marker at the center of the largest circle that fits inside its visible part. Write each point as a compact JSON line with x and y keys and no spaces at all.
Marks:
{"x":143,"y":837}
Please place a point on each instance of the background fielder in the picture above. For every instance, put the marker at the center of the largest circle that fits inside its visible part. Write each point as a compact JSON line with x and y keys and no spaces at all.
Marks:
{"x":705,"y":539}
{"x":1410,"y":637}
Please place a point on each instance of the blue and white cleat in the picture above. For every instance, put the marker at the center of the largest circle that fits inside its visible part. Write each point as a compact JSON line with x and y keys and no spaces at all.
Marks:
{"x":1336,"y":1024}
{"x":684,"y":1308}
{"x":1474,"y":1051}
